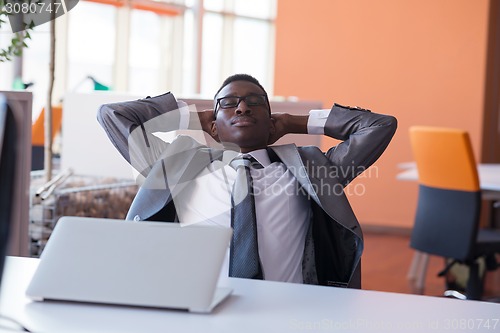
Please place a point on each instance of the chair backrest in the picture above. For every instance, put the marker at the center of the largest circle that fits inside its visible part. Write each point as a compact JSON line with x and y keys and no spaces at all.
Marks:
{"x":38,"y":127}
{"x":449,"y":198}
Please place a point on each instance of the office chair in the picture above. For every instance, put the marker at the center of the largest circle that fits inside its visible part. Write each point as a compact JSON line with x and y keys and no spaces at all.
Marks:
{"x":38,"y":135}
{"x":449,"y":204}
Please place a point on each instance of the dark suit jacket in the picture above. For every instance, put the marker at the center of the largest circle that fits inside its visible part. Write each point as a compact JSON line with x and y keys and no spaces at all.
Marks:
{"x":334,"y":240}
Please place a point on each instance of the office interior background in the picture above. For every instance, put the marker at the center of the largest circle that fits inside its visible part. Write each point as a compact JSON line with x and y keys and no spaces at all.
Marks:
{"x":425,"y":62}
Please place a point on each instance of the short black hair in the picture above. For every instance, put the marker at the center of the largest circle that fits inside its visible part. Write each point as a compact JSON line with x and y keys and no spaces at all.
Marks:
{"x":242,"y":77}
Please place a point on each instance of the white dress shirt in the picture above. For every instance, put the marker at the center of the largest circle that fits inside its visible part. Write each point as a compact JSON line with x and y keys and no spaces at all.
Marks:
{"x":283,"y":212}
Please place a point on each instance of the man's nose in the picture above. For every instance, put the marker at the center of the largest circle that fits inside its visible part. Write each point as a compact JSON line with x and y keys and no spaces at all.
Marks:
{"x":242,"y":107}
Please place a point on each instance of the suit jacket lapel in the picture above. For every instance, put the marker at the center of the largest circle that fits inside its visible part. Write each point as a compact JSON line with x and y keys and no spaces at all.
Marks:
{"x":327,"y":192}
{"x":289,"y":155}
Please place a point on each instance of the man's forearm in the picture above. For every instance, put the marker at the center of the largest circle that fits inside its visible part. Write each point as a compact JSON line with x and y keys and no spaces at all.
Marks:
{"x":364,"y":135}
{"x":297,"y":124}
{"x":285,"y":123}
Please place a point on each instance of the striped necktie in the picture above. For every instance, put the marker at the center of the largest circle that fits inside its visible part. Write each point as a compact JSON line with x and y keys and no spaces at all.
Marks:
{"x":244,"y":253}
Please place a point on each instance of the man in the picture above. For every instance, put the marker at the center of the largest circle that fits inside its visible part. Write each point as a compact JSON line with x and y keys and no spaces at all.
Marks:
{"x":306,"y":231}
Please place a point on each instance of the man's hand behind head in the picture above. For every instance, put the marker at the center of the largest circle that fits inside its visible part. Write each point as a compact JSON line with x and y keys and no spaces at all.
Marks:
{"x":286,"y":123}
{"x":205,"y":119}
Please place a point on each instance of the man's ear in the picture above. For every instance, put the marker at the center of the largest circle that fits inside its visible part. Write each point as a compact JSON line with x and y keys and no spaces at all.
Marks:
{"x":213,"y":131}
{"x":272,"y":127}
{"x":272,"y":132}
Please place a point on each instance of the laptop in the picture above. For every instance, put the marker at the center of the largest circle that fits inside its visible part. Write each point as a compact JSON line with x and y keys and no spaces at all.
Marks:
{"x":146,"y":264}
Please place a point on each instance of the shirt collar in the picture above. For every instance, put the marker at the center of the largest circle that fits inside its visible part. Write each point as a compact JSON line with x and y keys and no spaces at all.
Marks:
{"x":261,"y":156}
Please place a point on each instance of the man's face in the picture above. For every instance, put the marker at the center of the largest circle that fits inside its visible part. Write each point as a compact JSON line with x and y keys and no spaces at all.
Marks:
{"x":247,"y":125}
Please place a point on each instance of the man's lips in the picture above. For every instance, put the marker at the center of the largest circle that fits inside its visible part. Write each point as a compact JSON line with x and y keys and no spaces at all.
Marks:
{"x":243,"y":121}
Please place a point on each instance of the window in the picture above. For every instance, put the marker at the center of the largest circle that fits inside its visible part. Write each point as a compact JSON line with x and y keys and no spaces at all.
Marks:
{"x":91,"y":44}
{"x":189,"y":55}
{"x":150,"y":46}
{"x":212,"y":53}
{"x":264,"y":9}
{"x":250,"y":54}
{"x":35,"y":69}
{"x":145,"y":52}
{"x":238,"y":37}
{"x":6,"y":68}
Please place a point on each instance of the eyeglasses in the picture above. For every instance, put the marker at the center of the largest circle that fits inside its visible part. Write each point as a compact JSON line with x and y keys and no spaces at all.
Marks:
{"x":230,"y":102}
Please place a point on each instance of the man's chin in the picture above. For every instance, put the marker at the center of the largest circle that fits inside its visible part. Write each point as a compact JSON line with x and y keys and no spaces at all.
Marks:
{"x":231,"y":146}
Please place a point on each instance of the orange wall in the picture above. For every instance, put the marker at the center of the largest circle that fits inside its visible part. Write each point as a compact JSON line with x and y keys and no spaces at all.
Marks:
{"x":422,"y":61}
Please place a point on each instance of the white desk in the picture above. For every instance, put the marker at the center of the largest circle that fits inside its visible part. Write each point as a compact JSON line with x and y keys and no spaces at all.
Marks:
{"x":255,"y":306}
{"x":489,"y":175}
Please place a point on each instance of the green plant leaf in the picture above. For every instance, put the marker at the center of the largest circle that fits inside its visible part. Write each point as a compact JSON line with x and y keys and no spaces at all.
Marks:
{"x":18,"y":40}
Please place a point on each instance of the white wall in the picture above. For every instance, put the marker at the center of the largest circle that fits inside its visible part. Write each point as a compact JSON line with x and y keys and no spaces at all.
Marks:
{"x":85,"y":146}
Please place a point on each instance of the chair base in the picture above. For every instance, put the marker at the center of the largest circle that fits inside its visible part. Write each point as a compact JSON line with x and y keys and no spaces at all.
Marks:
{"x":417,"y":272}
{"x":462,"y":281}
{"x":454,"y":294}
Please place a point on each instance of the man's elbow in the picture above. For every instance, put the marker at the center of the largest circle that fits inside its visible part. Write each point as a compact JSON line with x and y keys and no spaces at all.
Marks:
{"x":391,"y":124}
{"x":103,"y":114}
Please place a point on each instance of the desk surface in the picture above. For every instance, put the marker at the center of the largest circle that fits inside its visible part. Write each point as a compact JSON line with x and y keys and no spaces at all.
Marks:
{"x":489,"y":175}
{"x":255,"y":306}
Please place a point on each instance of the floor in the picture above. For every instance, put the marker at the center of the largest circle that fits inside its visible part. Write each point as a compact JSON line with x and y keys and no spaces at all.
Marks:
{"x":387,"y":258}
